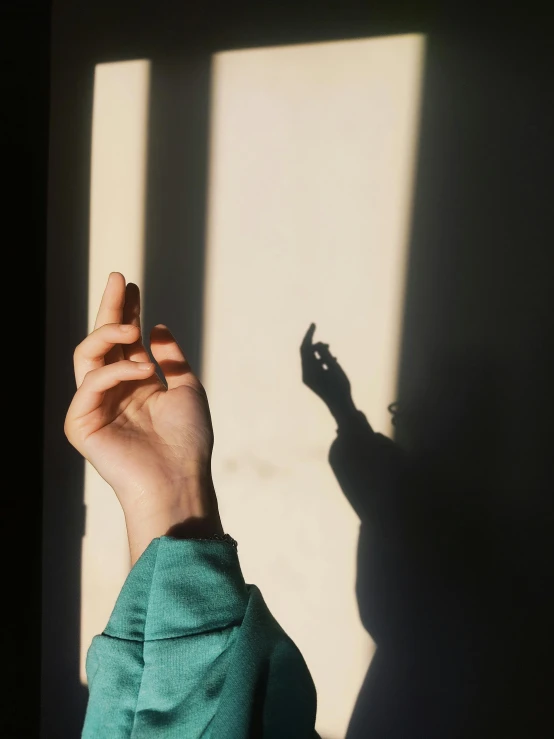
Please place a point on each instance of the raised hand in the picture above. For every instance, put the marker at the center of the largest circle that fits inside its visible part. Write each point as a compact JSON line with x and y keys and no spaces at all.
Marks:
{"x":323,"y":374}
{"x":150,"y":443}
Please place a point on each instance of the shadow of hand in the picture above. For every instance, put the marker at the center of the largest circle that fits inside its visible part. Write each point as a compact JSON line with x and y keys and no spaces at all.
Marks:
{"x":324,"y":376}
{"x":369,"y":468}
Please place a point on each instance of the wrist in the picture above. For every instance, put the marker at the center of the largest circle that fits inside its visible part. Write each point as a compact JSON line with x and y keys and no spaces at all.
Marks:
{"x":344,"y":411}
{"x":187,"y":513}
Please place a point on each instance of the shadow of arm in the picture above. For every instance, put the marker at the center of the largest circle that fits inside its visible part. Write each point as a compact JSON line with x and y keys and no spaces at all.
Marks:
{"x":368,"y":466}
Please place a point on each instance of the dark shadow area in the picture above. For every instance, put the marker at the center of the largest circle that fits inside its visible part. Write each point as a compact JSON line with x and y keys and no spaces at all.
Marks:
{"x":63,"y":698}
{"x":24,"y":100}
{"x":455,"y":573}
{"x":176,"y":206}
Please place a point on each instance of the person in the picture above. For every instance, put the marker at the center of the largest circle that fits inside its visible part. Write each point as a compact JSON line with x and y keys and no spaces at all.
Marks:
{"x":190,"y":649}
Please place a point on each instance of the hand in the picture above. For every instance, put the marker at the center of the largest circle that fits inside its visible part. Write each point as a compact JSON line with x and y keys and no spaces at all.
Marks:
{"x":322,"y":373}
{"x":152,"y":444}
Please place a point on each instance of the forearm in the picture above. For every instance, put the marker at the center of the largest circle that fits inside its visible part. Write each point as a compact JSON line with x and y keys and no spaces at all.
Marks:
{"x":369,"y":467}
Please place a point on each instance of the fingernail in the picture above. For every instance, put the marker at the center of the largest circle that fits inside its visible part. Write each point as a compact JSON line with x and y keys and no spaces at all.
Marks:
{"x":127,"y":327}
{"x":144,"y":366}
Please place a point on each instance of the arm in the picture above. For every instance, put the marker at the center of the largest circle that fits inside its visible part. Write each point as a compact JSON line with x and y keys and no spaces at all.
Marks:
{"x":190,"y":650}
{"x":368,"y":465}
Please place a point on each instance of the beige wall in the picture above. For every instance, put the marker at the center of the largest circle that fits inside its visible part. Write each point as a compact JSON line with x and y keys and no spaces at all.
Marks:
{"x":311,"y":170}
{"x":310,"y":186}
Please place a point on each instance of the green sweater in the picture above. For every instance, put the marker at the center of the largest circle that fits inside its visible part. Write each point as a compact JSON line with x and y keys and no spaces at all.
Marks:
{"x":191,"y":651}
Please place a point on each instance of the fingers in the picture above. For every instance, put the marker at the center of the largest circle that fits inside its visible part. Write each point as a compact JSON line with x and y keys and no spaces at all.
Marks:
{"x":90,"y":394}
{"x":113,"y":301}
{"x":168,"y":355}
{"x":308,"y":339}
{"x":91,"y":353}
{"x":309,"y":335}
{"x":324,"y":353}
{"x":111,"y":311}
{"x":327,"y":361}
{"x":131,"y":315}
{"x":131,"y":308}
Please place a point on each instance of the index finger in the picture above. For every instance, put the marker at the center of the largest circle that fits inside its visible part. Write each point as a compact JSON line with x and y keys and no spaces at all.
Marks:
{"x":131,"y":315}
{"x":113,"y":301}
{"x":308,"y":338}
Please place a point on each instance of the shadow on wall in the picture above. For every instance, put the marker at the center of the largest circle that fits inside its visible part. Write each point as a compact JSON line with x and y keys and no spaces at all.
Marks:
{"x":455,"y":579}
{"x":176,"y":197}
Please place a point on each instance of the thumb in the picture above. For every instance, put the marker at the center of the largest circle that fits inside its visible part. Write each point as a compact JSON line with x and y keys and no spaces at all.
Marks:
{"x":168,"y":355}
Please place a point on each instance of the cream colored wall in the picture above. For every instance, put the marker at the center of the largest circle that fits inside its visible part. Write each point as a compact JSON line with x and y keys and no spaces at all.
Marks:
{"x":312,"y":154}
{"x":311,"y":172}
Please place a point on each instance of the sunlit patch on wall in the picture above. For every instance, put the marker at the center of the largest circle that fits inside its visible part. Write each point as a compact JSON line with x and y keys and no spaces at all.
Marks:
{"x":312,"y":153}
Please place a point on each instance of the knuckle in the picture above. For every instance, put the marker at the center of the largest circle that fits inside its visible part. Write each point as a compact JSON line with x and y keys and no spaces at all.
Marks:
{"x":95,"y":333}
{"x":199,"y":389}
{"x":88,"y":376}
{"x":80,"y":349}
{"x":67,"y":427}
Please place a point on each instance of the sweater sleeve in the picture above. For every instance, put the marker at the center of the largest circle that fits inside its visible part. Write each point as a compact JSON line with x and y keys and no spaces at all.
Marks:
{"x":191,"y":651}
{"x":369,"y":467}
